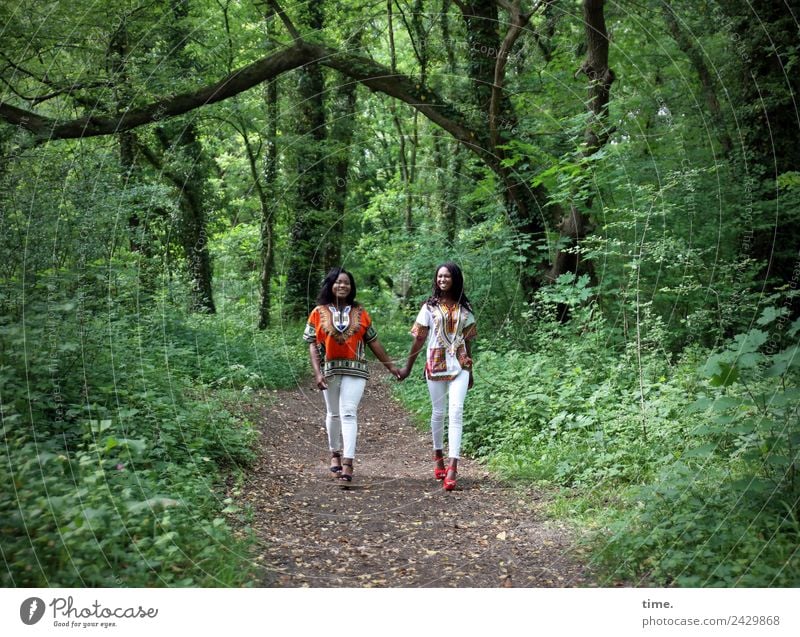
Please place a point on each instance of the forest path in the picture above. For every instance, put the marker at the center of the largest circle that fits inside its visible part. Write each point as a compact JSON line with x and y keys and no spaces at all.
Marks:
{"x":395,"y":526}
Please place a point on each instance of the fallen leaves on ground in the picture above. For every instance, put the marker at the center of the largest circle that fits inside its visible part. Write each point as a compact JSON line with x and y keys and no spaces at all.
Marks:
{"x":394,"y":525}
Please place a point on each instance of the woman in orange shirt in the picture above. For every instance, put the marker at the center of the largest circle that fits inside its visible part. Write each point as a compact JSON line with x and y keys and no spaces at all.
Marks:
{"x":338,"y":328}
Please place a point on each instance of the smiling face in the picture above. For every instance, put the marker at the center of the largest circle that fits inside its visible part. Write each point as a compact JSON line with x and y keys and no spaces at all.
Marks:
{"x":341,"y":288}
{"x":444,"y":280}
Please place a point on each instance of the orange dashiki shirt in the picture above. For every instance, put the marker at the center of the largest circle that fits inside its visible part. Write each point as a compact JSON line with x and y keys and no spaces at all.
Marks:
{"x":340,"y":336}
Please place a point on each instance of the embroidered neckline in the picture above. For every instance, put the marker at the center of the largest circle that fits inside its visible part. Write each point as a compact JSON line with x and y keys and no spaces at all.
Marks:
{"x":340,"y":325}
{"x":451,"y":343}
{"x":340,"y":319}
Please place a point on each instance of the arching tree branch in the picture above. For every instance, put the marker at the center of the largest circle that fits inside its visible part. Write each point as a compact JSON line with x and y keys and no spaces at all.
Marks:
{"x":46,"y":128}
{"x":371,"y":74}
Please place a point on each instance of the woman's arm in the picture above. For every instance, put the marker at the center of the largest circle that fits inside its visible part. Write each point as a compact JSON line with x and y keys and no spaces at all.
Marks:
{"x":380,"y":353}
{"x":416,"y":348}
{"x":469,"y":369}
{"x":313,"y":354}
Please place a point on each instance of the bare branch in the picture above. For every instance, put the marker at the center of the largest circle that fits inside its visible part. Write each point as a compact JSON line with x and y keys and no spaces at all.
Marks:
{"x":427,"y":102}
{"x":67,"y":90}
{"x":13,"y":89}
{"x":285,"y":19}
{"x":22,"y":69}
{"x":410,"y":32}
{"x":517,"y":23}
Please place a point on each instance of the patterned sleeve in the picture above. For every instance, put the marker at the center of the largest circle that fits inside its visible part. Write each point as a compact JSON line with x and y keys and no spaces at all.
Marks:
{"x":470,"y":330}
{"x":370,"y":334}
{"x":310,"y":333}
{"x":422,"y":323}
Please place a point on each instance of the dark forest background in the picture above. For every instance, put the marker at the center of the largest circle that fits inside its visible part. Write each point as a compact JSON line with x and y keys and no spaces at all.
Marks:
{"x":619,"y":181}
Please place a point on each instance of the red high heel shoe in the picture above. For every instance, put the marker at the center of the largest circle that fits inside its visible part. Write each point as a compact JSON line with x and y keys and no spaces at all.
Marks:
{"x":439,"y":472}
{"x":449,"y":484}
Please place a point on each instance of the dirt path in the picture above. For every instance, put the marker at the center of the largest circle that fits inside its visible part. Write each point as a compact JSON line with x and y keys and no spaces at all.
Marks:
{"x":395,"y":526}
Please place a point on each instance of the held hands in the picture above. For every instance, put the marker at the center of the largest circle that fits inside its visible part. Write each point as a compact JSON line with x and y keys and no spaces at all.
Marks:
{"x":395,"y":372}
{"x":403,"y":373}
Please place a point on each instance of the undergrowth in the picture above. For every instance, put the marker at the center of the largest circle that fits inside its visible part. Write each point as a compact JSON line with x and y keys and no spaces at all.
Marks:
{"x":118,"y":433}
{"x":681,"y":468}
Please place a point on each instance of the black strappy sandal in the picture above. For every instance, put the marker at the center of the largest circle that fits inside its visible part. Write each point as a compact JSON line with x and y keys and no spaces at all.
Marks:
{"x":336,"y":468}
{"x":347,"y":477}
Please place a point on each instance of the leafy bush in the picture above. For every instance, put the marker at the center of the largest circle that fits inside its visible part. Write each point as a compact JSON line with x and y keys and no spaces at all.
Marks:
{"x":727,"y":511}
{"x":101,"y":514}
{"x":116,"y":443}
{"x":697,"y":496}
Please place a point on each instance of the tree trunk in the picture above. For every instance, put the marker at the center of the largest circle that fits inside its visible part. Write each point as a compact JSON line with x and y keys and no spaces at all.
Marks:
{"x":487,"y":56}
{"x":182,"y":140}
{"x":268,"y":206}
{"x":449,"y":164}
{"x":483,"y":38}
{"x":343,"y":113}
{"x":118,"y":51}
{"x":574,"y":225}
{"x":687,"y":45}
{"x":305,"y":267}
{"x":764,"y":39}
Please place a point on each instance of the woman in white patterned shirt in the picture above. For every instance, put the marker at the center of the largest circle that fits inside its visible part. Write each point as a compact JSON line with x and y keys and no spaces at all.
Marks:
{"x":447,"y":322}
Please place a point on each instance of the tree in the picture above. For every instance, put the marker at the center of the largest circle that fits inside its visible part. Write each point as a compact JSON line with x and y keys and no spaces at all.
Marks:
{"x":305,"y":261}
{"x":769,"y":119}
{"x":185,"y":165}
{"x":574,"y":225}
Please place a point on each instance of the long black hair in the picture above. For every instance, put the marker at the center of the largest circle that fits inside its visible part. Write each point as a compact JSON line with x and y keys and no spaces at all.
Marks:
{"x":325,"y":296}
{"x":456,"y":292}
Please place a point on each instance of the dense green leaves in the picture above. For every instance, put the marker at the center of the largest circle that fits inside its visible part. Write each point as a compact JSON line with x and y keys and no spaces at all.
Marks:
{"x":701,"y":464}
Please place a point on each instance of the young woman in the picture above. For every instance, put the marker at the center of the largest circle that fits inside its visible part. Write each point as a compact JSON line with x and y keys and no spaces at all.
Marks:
{"x":447,"y":322}
{"x":337,"y":330}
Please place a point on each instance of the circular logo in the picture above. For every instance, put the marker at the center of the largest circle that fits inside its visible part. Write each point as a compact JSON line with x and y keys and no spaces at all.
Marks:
{"x":31,"y":610}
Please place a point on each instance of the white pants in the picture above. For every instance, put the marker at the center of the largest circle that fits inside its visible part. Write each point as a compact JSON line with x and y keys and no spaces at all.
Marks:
{"x":341,"y":401}
{"x":439,"y":390}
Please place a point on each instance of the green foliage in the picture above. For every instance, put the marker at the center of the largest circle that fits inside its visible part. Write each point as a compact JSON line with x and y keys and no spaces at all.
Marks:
{"x":724,"y":510}
{"x":115,"y":442}
{"x":672,"y":391}
{"x":101,"y":514}
{"x":702,"y":496}
{"x":691,"y":528}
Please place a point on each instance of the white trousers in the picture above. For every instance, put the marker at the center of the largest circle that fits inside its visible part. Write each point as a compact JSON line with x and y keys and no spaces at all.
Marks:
{"x":341,"y":401}
{"x":450,"y":393}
